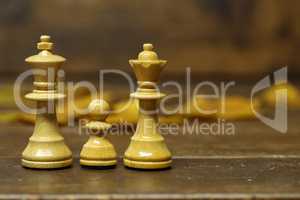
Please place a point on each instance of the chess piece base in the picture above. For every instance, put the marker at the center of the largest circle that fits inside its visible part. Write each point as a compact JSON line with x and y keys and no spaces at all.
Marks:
{"x":98,"y":151}
{"x":46,"y":164}
{"x":147,"y":164}
{"x":98,"y":163}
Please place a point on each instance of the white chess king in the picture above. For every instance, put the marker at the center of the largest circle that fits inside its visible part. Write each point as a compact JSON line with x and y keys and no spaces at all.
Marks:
{"x":46,"y":148}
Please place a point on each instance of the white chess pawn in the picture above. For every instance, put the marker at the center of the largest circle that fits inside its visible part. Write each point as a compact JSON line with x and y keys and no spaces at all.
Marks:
{"x":98,"y":151}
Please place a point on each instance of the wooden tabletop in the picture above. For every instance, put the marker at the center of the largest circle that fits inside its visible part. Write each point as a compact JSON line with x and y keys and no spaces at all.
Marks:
{"x":255,"y":162}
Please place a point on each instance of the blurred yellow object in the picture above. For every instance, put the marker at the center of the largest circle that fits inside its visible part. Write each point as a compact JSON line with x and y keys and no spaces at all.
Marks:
{"x":293,"y":95}
{"x":237,"y":108}
{"x":7,"y":117}
{"x":7,"y":99}
{"x":124,"y":111}
{"x":6,"y":96}
{"x":127,"y":111}
{"x":232,"y":108}
{"x":62,"y":110}
{"x":65,"y":111}
{"x":200,"y":108}
{"x":171,"y":119}
{"x":26,"y":118}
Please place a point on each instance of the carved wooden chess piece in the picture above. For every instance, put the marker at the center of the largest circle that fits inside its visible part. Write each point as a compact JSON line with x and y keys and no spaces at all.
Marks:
{"x":147,"y":149}
{"x":46,"y":147}
{"x":98,"y":151}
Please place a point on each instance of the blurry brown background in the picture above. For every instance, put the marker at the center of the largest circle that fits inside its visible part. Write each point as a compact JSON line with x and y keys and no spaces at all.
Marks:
{"x":216,"y":38}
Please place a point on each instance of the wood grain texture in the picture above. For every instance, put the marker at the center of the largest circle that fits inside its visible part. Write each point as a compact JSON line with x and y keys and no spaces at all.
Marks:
{"x":256,"y":162}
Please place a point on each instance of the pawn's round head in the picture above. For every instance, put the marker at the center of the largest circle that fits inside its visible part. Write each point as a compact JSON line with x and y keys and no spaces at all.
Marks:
{"x":147,"y":53}
{"x":98,"y":109}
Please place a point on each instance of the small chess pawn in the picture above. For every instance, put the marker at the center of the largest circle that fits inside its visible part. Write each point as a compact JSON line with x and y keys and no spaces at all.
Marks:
{"x":98,"y":151}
